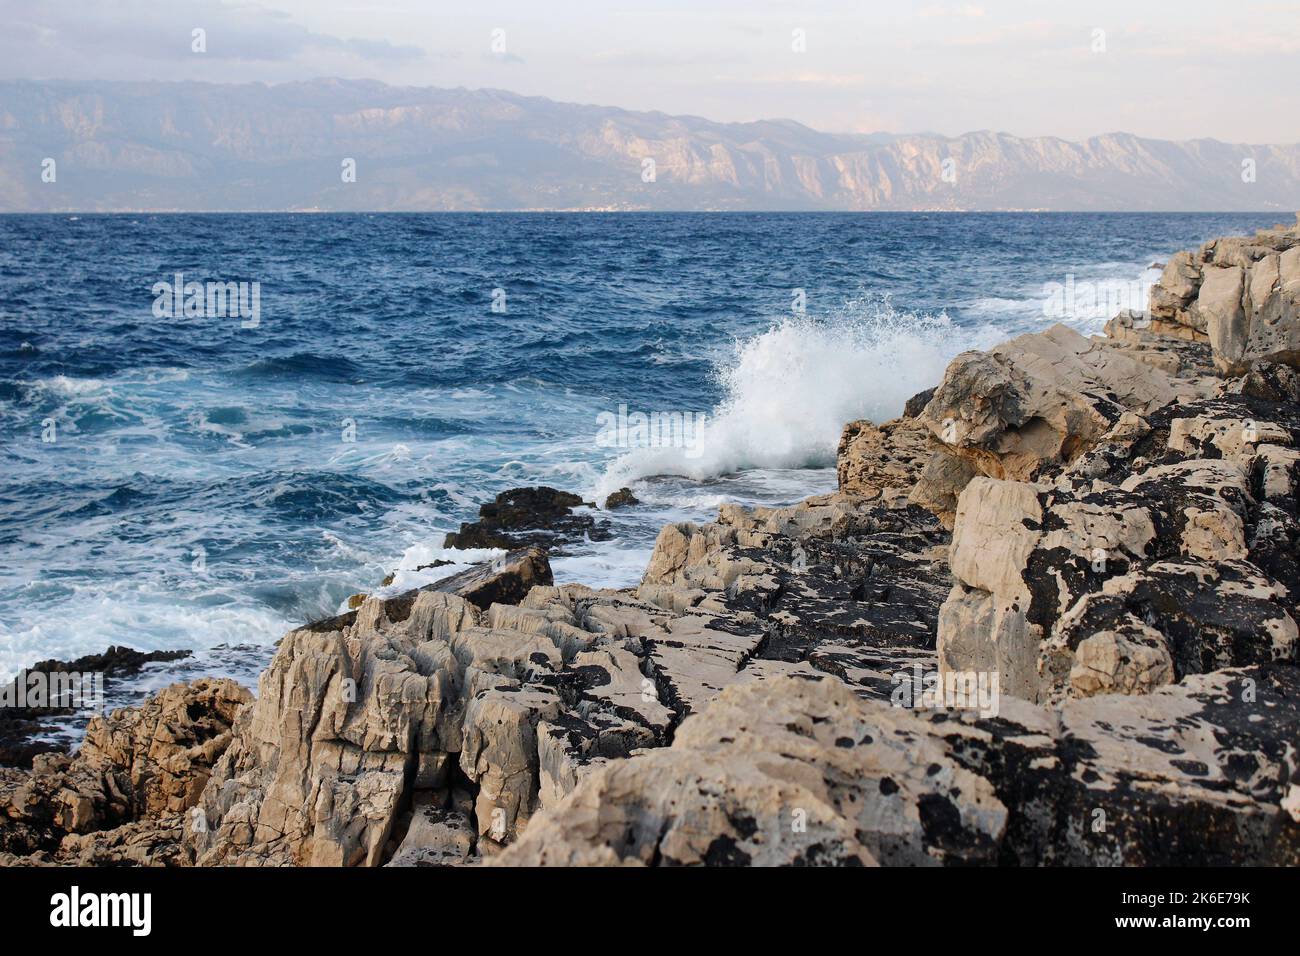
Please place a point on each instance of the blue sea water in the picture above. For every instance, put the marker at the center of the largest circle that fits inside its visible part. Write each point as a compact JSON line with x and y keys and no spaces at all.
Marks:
{"x":209,"y":485}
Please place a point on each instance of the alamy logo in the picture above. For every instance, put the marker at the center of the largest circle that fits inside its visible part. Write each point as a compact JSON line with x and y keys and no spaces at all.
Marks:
{"x":179,"y":299}
{"x":75,"y":909}
{"x":1073,"y":299}
{"x":652,"y":430}
{"x":952,"y":690}
{"x":56,"y":689}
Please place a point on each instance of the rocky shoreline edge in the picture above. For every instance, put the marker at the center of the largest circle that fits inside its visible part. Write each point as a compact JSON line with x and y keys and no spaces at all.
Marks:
{"x":1049,"y":617}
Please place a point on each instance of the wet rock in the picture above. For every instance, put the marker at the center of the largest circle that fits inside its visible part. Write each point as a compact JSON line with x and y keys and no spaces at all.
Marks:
{"x":623,"y":498}
{"x":913,"y":407}
{"x":530,"y":517}
{"x":505,"y":580}
{"x":21,"y":726}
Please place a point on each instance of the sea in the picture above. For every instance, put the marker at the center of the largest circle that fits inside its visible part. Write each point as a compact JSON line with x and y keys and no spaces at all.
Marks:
{"x":190,"y":470}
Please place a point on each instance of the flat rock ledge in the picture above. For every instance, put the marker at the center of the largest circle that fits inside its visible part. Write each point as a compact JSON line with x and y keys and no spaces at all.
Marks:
{"x":1049,"y":618}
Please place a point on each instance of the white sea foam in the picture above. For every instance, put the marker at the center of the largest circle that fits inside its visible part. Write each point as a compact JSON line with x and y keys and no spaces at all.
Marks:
{"x":789,"y":390}
{"x":94,"y":621}
{"x":416,"y":567}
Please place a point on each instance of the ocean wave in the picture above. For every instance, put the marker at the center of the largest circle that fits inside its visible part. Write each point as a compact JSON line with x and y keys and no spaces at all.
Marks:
{"x":789,"y":390}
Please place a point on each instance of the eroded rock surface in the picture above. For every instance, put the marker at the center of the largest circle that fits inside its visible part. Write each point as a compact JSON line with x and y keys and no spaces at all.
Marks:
{"x":1167,"y":550}
{"x":800,"y":771}
{"x":23,"y":729}
{"x":124,"y":796}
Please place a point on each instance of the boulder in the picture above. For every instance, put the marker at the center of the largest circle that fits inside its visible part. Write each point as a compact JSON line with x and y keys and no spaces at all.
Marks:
{"x":623,"y":498}
{"x":1030,"y":407}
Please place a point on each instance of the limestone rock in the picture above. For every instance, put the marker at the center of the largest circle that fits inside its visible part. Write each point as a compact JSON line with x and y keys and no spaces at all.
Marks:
{"x":119,"y":799}
{"x":1240,"y":293}
{"x":1032,"y":405}
{"x":940,"y":482}
{"x":436,"y":835}
{"x":168,"y":745}
{"x":505,"y":580}
{"x":881,"y":462}
{"x":1161,"y":553}
{"x":1201,"y":772}
{"x":788,"y":772}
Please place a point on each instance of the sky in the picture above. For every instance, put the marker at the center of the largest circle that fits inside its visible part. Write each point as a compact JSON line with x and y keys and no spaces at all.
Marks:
{"x":1173,"y":69}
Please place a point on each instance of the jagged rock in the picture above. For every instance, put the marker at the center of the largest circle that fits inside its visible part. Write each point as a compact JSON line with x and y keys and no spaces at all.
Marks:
{"x":1268,"y":381}
{"x":1031,"y":406}
{"x":1169,"y":620}
{"x":1086,"y":586}
{"x":916,"y":404}
{"x":148,"y":842}
{"x":136,"y":765}
{"x":505,"y":580}
{"x":1177,"y":350}
{"x":59,"y":795}
{"x":835,"y":585}
{"x":361,"y":714}
{"x":529,"y":517}
{"x":1240,"y":293}
{"x":167,"y":746}
{"x":1218,"y":307}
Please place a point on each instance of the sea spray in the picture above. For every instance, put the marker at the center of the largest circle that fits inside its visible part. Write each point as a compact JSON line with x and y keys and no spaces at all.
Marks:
{"x":788,"y":391}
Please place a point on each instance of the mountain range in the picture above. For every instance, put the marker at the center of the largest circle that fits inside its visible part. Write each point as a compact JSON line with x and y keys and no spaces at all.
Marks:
{"x":181,"y":146}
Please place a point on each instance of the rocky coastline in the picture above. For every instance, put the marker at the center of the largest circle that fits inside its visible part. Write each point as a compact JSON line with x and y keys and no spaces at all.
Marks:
{"x":1048,"y":618}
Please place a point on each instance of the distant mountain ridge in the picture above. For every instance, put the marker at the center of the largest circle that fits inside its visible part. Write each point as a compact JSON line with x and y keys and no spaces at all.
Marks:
{"x":194,"y":147}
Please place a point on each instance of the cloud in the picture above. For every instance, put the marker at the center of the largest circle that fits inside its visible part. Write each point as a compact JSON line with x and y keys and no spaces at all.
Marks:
{"x":125,"y":31}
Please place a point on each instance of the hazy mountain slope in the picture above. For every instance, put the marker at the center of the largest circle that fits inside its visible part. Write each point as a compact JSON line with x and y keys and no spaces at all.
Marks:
{"x":190,"y":146}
